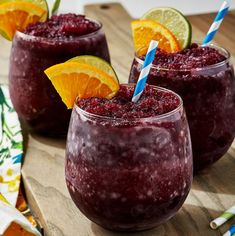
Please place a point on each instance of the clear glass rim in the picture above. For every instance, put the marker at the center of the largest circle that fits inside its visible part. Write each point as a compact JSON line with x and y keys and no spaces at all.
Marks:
{"x":213,"y":66}
{"x":32,"y":37}
{"x":146,"y":119}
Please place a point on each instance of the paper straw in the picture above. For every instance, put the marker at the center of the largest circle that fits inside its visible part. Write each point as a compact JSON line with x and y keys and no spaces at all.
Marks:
{"x":223,"y":218}
{"x":230,"y":232}
{"x":217,"y":21}
{"x":145,"y":70}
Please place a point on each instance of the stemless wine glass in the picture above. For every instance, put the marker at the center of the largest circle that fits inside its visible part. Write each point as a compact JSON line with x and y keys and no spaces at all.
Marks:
{"x":209,"y":99}
{"x":129,"y":174}
{"x":34,"y":97}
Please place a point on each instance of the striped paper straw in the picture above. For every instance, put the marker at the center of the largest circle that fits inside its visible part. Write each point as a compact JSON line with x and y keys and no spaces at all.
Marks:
{"x":139,"y":88}
{"x":223,"y":218}
{"x":230,"y":232}
{"x":217,"y":21}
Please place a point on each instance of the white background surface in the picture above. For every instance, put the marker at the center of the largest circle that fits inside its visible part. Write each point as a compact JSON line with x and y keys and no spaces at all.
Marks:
{"x":136,"y":8}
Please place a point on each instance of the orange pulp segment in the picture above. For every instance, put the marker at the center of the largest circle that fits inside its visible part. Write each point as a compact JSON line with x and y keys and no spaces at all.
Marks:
{"x":146,"y":30}
{"x":73,"y":79}
{"x":18,"y":15}
{"x":15,"y":229}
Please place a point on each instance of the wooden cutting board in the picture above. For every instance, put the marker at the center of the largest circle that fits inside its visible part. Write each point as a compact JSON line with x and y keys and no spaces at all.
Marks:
{"x":212,"y":192}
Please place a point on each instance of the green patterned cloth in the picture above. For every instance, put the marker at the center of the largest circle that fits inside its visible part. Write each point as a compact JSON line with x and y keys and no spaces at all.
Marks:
{"x":11,"y":148}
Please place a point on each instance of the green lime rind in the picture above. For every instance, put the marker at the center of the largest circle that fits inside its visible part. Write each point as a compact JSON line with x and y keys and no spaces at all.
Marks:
{"x":175,"y":21}
{"x":55,"y":7}
{"x":4,"y":35}
{"x":96,"y":62}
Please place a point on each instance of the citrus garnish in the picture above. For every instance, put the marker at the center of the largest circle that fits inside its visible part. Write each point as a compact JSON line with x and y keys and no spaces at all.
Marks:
{"x":17,"y":15}
{"x":173,"y":20}
{"x":75,"y":79}
{"x":55,"y":7}
{"x":146,"y":30}
{"x":96,"y":62}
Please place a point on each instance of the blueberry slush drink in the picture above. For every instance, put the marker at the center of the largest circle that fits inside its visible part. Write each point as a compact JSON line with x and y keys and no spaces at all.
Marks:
{"x":204,"y":78}
{"x":129,"y":165}
{"x":40,"y":46}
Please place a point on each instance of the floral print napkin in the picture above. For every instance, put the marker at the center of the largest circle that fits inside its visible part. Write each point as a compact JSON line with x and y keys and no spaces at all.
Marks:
{"x":11,"y":153}
{"x":11,"y":150}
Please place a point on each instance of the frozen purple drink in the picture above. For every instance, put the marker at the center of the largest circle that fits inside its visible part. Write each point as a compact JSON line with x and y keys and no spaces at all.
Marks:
{"x":204,"y":78}
{"x":39,"y":47}
{"x":129,"y":165}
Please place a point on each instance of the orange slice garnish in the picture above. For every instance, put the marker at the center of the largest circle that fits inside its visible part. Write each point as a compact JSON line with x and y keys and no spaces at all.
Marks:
{"x":74,"y":79}
{"x":146,"y":30}
{"x":18,"y":15}
{"x":16,"y":230}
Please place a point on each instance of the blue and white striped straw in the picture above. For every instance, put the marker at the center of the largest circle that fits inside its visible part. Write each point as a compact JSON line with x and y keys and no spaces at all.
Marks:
{"x":217,"y":21}
{"x":230,"y":232}
{"x":145,"y":70}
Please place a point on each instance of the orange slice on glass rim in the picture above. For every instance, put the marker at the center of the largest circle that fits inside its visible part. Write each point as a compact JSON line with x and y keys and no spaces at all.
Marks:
{"x":17,"y":15}
{"x":146,"y":30}
{"x":15,"y":229}
{"x":74,"y":79}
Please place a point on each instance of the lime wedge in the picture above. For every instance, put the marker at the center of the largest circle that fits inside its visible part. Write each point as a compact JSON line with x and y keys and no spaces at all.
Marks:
{"x":96,"y":62}
{"x":175,"y":21}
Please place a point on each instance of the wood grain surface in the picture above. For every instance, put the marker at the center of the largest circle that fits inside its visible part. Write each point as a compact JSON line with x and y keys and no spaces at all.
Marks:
{"x":212,"y":192}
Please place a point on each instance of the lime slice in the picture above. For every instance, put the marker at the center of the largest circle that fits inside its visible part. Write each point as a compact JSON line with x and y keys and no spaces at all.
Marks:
{"x":96,"y":62}
{"x":55,"y":7}
{"x":175,"y":21}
